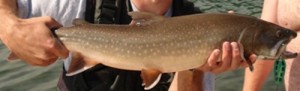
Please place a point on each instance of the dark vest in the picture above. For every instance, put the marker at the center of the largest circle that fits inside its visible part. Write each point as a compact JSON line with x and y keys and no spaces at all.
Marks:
{"x":103,"y":78}
{"x":115,"y":11}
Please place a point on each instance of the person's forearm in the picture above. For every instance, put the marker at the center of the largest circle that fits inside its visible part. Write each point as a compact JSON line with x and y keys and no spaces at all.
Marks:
{"x":8,"y":9}
{"x":8,"y":13}
{"x":255,"y":80}
{"x":10,"y":6}
{"x":269,"y":11}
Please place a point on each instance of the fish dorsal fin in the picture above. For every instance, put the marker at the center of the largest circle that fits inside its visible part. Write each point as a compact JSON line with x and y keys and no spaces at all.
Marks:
{"x":144,"y":18}
{"x":150,"y":78}
{"x":12,"y":56}
{"x":79,"y":22}
{"x":79,"y":64}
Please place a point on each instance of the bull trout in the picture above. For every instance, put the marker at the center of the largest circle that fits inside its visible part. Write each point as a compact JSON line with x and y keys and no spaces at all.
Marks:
{"x":155,"y":44}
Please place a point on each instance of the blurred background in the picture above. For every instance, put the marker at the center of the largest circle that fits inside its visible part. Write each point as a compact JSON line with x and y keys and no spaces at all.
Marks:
{"x":18,"y":76}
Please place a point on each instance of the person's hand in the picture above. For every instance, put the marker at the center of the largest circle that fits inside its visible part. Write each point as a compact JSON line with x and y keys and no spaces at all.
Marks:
{"x":231,"y":59}
{"x":32,"y":41}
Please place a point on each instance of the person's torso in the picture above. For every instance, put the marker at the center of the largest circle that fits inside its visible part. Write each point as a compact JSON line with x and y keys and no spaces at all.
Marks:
{"x":63,"y":11}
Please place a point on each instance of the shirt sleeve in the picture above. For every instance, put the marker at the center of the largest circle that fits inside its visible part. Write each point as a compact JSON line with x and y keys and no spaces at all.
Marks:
{"x":24,"y":8}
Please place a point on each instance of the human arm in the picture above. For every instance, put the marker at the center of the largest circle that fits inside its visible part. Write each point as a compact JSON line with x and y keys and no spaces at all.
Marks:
{"x":29,"y":39}
{"x":254,"y":80}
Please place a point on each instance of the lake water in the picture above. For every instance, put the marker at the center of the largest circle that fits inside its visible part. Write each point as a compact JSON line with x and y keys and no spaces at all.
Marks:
{"x":18,"y":76}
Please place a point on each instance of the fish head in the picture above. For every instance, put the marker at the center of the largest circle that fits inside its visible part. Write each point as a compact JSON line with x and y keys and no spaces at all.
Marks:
{"x":270,"y":40}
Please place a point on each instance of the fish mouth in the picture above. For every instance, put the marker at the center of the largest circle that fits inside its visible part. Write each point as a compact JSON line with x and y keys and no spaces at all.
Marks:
{"x":279,"y":50}
{"x":280,"y":47}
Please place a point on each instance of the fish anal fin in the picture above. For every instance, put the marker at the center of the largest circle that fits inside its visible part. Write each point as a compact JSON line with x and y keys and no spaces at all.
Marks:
{"x":79,"y":22}
{"x":144,"y":18}
{"x":150,"y":78}
{"x":12,"y":56}
{"x":79,"y":64}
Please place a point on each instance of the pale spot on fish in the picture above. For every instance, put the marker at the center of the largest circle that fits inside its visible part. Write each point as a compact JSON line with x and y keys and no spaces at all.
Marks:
{"x":134,"y":53}
{"x":145,"y":51}
{"x":172,"y":44}
{"x":154,"y":53}
{"x":116,"y":49}
{"x":128,"y":51}
{"x":139,"y":47}
{"x":178,"y":44}
{"x":197,"y":54}
{"x":151,"y":50}
{"x":160,"y":44}
{"x":111,"y":47}
{"x":178,"y":51}
{"x":172,"y":52}
{"x":131,"y":46}
{"x":166,"y":51}
{"x":199,"y":41}
{"x":153,"y":44}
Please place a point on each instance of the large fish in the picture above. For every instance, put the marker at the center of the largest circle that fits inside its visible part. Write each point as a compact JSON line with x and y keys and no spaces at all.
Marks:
{"x":155,"y":44}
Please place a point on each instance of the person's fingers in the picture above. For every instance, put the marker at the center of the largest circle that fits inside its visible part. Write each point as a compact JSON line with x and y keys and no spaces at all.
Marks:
{"x":212,"y":61}
{"x":50,"y":22}
{"x":226,"y":58}
{"x":213,"y":58}
{"x":55,"y":46}
{"x":236,"y":56}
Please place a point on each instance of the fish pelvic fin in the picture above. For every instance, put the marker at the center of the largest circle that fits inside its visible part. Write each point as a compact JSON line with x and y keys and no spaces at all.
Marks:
{"x":150,"y":78}
{"x":12,"y":56}
{"x":144,"y":18}
{"x":79,"y":64}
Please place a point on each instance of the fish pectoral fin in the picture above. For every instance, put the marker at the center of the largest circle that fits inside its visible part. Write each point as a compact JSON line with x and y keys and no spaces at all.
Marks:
{"x":79,"y":64}
{"x":150,"y":78}
{"x":245,"y":56}
{"x":144,"y":18}
{"x":80,"y":22}
{"x":12,"y":56}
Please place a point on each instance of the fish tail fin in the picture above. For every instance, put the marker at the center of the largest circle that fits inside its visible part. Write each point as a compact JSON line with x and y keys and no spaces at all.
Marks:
{"x":12,"y":56}
{"x":150,"y":77}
